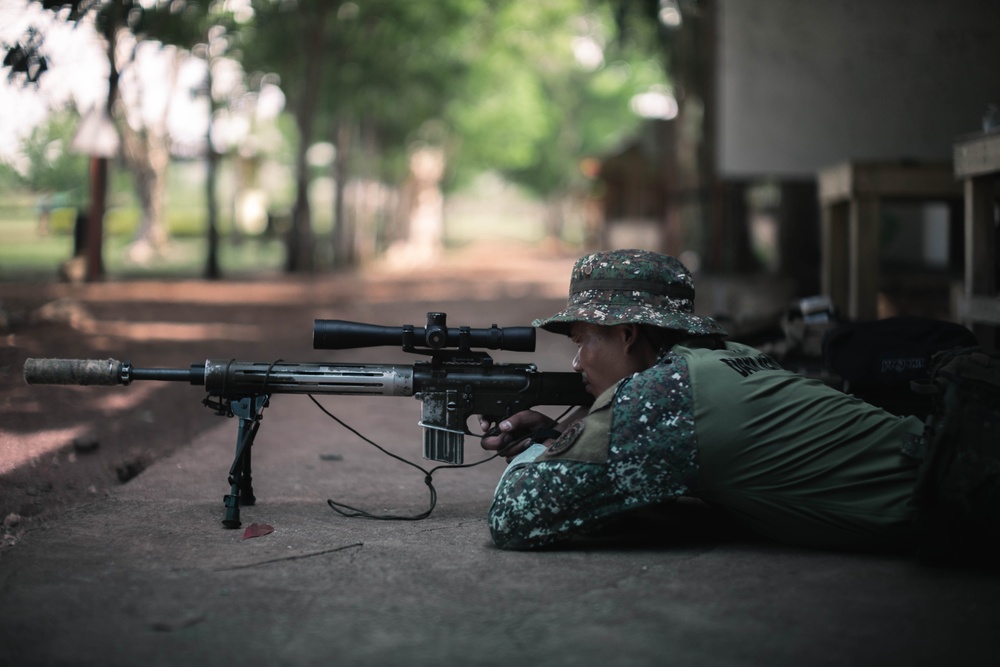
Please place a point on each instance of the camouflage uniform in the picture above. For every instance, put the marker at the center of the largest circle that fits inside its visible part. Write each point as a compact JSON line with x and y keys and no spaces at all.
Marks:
{"x":546,"y":495}
{"x":787,"y":456}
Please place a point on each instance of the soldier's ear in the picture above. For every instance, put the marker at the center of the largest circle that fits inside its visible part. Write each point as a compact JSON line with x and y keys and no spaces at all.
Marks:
{"x":629,"y":336}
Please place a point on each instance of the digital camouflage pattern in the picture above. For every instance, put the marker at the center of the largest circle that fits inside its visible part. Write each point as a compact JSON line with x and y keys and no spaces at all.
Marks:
{"x":652,"y":458}
{"x":631,"y":287}
{"x":651,"y":451}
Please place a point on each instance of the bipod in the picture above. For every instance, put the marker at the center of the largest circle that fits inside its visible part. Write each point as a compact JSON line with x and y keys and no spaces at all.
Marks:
{"x":249,"y":411}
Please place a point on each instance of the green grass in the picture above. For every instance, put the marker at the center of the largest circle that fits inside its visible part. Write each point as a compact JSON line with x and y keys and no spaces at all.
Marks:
{"x":488,"y":210}
{"x":25,"y":253}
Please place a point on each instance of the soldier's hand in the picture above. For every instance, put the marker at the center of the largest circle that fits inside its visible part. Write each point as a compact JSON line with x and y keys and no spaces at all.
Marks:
{"x":510,"y":436}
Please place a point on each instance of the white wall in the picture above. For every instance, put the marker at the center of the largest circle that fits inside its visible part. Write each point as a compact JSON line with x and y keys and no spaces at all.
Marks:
{"x":806,"y":83}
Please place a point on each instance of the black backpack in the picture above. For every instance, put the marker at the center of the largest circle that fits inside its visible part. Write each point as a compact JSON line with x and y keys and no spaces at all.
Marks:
{"x":878,"y":360}
{"x":957,"y":496}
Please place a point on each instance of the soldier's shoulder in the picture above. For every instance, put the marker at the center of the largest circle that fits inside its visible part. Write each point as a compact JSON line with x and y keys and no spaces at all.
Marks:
{"x":664,"y":386}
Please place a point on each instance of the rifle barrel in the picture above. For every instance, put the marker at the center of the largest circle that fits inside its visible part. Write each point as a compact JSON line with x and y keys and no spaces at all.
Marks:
{"x":194,"y":375}
{"x":250,"y":378}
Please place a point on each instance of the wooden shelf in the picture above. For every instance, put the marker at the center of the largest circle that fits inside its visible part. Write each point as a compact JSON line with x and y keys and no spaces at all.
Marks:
{"x":977,"y":164}
{"x":850,"y":196}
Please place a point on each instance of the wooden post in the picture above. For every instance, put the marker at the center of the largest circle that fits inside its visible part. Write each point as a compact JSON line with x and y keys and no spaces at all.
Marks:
{"x":95,"y":219}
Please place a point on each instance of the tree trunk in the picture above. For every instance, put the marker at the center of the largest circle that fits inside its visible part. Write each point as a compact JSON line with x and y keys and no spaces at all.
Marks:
{"x":94,"y":243}
{"x":148,"y":156}
{"x":342,"y":236}
{"x":147,"y":153}
{"x":99,"y":178}
{"x":425,"y":230}
{"x":212,"y":269}
{"x":300,"y":237}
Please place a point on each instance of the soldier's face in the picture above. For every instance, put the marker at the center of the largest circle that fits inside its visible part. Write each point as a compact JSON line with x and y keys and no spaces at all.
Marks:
{"x":602,"y":354}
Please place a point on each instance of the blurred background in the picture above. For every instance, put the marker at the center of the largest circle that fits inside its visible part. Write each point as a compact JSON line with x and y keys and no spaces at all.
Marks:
{"x":224,"y":138}
{"x":229,"y":136}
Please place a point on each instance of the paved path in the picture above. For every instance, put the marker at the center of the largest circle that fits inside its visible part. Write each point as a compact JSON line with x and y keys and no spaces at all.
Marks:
{"x":147,"y":575}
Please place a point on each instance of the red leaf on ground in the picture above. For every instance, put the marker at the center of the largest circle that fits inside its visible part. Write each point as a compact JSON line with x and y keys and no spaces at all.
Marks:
{"x":257,"y":530}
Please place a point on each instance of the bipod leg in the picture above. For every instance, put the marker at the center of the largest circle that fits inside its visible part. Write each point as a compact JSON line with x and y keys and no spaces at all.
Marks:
{"x":248,"y":410}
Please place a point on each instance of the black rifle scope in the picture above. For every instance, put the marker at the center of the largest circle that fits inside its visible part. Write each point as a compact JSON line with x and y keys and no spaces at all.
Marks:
{"x":343,"y":335}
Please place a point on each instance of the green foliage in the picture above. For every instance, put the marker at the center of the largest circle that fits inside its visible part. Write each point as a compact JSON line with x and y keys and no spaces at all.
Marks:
{"x":532,"y":109}
{"x":503,"y":116}
{"x":497,"y":83}
{"x":62,"y":219}
{"x":10,"y":179}
{"x":386,"y":68}
{"x":51,"y":164}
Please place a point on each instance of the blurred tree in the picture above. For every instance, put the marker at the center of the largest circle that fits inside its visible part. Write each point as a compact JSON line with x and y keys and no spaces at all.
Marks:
{"x":51,"y":164}
{"x":107,"y":19}
{"x":290,"y":39}
{"x":111,"y":19}
{"x":146,"y":144}
{"x":408,"y":62}
{"x":525,"y":88}
{"x":363,"y":76}
{"x":10,"y":178}
{"x":707,"y":206}
{"x":179,"y":29}
{"x":127,"y":26}
{"x":551,"y":87}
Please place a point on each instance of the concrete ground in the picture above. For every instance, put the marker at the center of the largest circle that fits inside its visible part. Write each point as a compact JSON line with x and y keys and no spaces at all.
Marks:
{"x":146,"y":574}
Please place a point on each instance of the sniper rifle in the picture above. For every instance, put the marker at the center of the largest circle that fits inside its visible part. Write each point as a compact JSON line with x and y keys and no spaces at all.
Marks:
{"x":456,"y":383}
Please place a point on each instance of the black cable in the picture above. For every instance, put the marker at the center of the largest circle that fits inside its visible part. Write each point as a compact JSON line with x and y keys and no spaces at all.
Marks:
{"x":428,"y":474}
{"x":267,"y":374}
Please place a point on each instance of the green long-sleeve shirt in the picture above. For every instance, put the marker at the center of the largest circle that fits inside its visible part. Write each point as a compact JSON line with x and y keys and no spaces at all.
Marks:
{"x":787,"y":456}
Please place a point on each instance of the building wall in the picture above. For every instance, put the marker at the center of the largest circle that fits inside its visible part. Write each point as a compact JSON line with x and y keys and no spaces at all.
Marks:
{"x":804,"y":84}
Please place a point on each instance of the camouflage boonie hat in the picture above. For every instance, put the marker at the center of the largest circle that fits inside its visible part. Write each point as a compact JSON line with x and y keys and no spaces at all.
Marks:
{"x":631,"y":287}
